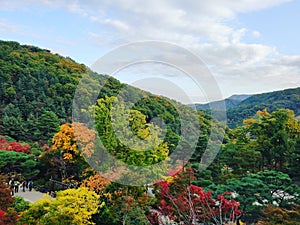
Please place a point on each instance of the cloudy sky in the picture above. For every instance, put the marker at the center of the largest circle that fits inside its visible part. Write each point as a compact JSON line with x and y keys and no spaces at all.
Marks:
{"x":249,"y":46}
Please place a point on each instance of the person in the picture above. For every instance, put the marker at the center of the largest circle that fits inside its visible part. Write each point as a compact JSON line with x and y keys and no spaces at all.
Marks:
{"x":30,"y":185}
{"x":24,"y":185}
{"x":12,"y":186}
{"x":17,"y":183}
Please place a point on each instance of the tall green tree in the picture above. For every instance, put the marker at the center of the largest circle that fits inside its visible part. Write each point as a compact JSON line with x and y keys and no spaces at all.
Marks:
{"x":47,"y":125}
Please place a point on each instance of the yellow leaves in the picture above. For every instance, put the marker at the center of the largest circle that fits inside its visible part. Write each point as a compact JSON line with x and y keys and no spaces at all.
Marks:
{"x":249,"y":121}
{"x":78,"y":204}
{"x":73,"y":137}
{"x":263,"y":113}
{"x":68,"y":156}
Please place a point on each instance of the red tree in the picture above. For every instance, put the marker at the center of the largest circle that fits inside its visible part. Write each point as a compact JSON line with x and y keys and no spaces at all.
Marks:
{"x":8,"y":216}
{"x":183,"y":202}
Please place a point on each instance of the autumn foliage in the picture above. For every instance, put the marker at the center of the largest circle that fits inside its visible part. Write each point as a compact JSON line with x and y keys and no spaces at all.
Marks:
{"x":274,"y":216}
{"x":13,"y":146}
{"x":186,"y":203}
{"x":96,"y":183}
{"x":74,"y":140}
{"x":8,"y":216}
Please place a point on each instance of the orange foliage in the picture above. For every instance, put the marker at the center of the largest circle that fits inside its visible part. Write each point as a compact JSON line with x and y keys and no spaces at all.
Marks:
{"x":274,"y":215}
{"x":96,"y":183}
{"x":249,"y":121}
{"x":74,"y":137}
{"x":263,"y":113}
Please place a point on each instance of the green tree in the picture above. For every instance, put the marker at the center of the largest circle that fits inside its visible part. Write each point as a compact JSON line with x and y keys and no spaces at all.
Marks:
{"x":18,"y":162}
{"x":239,"y":153}
{"x":47,"y":125}
{"x":273,"y":135}
{"x":13,"y":123}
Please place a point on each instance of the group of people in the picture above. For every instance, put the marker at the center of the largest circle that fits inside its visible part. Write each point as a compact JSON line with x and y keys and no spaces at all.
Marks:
{"x":15,"y":185}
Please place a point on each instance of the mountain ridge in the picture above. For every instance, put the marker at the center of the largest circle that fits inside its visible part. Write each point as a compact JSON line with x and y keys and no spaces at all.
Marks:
{"x":238,"y":110}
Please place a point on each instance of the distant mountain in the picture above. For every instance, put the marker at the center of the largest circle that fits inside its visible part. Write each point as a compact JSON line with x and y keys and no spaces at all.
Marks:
{"x":239,"y":97}
{"x":289,"y":99}
{"x":240,"y":107}
{"x":230,"y":102}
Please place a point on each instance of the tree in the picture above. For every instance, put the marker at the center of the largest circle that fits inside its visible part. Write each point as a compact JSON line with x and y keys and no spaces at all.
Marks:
{"x":12,"y":122}
{"x":47,"y":125}
{"x":72,"y":206}
{"x":18,"y":162}
{"x":96,"y":183}
{"x":126,"y":135}
{"x":256,"y":191}
{"x":13,"y":146}
{"x":240,"y":152}
{"x":186,"y":203}
{"x":8,"y":216}
{"x":69,"y":145}
{"x":126,"y":204}
{"x":273,"y":135}
{"x":5,"y":194}
{"x":273,"y":215}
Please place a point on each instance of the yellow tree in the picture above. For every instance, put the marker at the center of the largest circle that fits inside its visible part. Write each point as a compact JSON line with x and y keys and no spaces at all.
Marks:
{"x":73,"y":140}
{"x":72,"y":206}
{"x":69,"y":145}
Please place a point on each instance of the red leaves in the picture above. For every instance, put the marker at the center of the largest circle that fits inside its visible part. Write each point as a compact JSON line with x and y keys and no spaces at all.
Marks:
{"x":14,"y":146}
{"x":187,"y":203}
{"x":228,"y":206}
{"x":8,"y":218}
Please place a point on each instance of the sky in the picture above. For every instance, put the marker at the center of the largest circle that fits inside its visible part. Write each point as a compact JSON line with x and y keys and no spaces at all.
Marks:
{"x":248,"y":46}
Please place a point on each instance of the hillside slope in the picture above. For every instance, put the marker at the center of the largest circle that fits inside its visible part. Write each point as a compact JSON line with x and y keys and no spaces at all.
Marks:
{"x":230,"y":102}
{"x":289,"y":99}
{"x":37,"y":89}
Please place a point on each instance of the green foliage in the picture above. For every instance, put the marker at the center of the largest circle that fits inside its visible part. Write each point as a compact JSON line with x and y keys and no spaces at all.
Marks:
{"x":47,"y":125}
{"x":18,"y":162}
{"x":289,"y":99}
{"x":256,"y":191}
{"x":32,"y":81}
{"x":20,"y":204}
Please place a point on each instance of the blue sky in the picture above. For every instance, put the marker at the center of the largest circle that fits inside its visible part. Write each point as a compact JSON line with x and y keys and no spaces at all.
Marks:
{"x":249,"y":46}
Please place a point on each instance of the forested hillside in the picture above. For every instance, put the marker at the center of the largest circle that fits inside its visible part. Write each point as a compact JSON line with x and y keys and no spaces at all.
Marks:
{"x":230,"y":102}
{"x":246,"y":174}
{"x":37,"y":90}
{"x":287,"y":99}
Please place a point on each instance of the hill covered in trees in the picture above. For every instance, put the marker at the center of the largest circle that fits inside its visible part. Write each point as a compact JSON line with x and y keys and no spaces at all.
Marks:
{"x":37,"y":90}
{"x":248,"y":173}
{"x":287,"y":99}
{"x":247,"y":105}
{"x":230,"y":102}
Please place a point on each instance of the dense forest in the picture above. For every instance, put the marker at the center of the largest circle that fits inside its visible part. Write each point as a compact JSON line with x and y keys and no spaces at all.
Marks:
{"x":155,"y":177}
{"x":246,"y":106}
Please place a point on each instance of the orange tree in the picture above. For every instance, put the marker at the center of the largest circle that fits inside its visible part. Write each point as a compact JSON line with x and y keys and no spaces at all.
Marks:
{"x":65,"y":156}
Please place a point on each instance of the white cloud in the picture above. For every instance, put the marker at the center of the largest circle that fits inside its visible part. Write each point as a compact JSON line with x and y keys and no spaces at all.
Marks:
{"x":201,"y":26}
{"x":6,"y":27}
{"x":256,"y":34}
{"x":116,"y":23}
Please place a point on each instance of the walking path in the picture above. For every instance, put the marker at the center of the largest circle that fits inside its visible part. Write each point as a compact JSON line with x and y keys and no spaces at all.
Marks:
{"x":30,"y":196}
